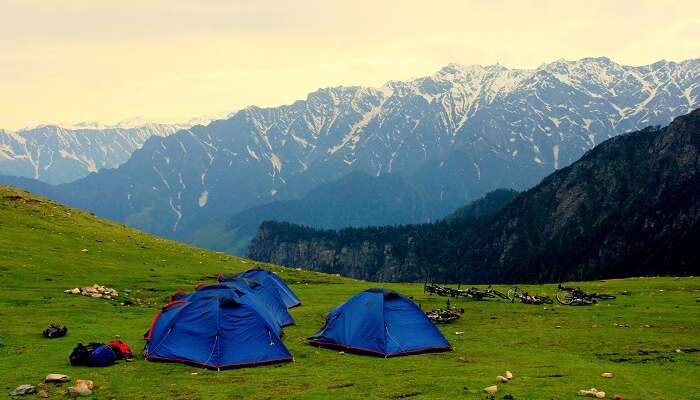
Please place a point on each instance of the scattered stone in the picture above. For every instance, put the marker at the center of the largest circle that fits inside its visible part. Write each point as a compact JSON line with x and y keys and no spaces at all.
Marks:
{"x":84,"y":250}
{"x":56,"y":378}
{"x":501,"y":379}
{"x":341,"y":352}
{"x":22,"y":390}
{"x":44,"y":394}
{"x":85,"y":382}
{"x":77,"y":391}
{"x":558,"y":326}
{"x":491,"y":389}
{"x":509,"y":375}
{"x":592,"y":392}
{"x":679,"y":351}
{"x":607,"y":374}
{"x":96,"y":291}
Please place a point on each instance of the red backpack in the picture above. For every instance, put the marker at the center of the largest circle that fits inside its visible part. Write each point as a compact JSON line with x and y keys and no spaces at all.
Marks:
{"x":121,"y":349}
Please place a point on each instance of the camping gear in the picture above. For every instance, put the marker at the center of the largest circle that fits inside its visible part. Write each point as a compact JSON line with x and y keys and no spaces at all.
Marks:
{"x":55,"y":331}
{"x":273,"y":310}
{"x":380,"y":322}
{"x":215,"y":332}
{"x":258,"y":274}
{"x":93,"y":355}
{"x":121,"y":349}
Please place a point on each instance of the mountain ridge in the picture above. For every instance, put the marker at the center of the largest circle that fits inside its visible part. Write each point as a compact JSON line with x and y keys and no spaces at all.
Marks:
{"x":463,"y":131}
{"x":628,"y":207}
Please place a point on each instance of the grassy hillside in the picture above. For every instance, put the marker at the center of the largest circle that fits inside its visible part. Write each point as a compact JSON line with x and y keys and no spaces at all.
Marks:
{"x":553,"y":351}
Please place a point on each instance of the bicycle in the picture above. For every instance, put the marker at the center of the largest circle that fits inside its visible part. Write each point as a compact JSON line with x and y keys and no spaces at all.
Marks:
{"x":574,"y":296}
{"x":526,"y":298}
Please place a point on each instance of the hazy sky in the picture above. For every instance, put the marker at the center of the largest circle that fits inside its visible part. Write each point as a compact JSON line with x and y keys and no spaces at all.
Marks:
{"x":104,"y":60}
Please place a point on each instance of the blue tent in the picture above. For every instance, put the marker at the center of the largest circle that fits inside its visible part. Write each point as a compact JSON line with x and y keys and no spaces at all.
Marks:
{"x":380,"y":322}
{"x":214,"y":332}
{"x":265,"y":300}
{"x":268,"y":294}
{"x":266,"y":277}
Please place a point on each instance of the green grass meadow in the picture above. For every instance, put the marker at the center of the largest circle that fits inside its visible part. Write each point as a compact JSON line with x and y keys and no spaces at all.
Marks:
{"x":649,"y":337}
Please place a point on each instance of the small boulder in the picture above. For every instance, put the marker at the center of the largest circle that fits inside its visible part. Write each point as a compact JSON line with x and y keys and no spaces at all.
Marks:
{"x":22,"y":390}
{"x":501,"y":379}
{"x":77,"y":391}
{"x":509,"y":375}
{"x":491,"y":389}
{"x":607,"y":375}
{"x":43,"y":394}
{"x":84,"y":382}
{"x":56,"y":378}
{"x":592,"y":392}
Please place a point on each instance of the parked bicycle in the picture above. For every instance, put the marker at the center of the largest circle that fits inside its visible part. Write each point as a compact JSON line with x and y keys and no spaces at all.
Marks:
{"x":574,"y":296}
{"x":515,"y":293}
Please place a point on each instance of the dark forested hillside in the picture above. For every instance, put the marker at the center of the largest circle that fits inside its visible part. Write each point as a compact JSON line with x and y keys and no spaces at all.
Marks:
{"x":630,"y":206}
{"x":377,"y":253}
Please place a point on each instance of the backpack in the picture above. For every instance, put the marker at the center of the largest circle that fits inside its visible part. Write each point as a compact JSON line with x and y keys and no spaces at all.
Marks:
{"x":121,"y":349}
{"x":92,"y":355}
{"x":55,"y":331}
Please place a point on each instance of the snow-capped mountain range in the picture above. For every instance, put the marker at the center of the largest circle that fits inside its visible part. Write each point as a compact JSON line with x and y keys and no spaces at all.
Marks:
{"x":456,"y":135}
{"x":60,"y":153}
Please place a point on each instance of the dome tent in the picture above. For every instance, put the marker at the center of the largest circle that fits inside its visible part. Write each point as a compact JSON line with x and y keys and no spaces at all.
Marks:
{"x":269,"y":296}
{"x":215,"y":332}
{"x":266,"y":277}
{"x":265,"y":297}
{"x":380,"y":322}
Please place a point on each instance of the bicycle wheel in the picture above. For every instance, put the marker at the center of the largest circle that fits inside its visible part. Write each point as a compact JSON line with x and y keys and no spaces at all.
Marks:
{"x":513,"y":294}
{"x":565,"y":297}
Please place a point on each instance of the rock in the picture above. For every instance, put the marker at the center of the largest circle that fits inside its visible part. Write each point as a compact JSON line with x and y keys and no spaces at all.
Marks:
{"x":618,"y":397}
{"x":77,"y":391}
{"x":509,"y":375}
{"x":592,"y":392}
{"x":44,"y":394}
{"x":501,"y":379}
{"x":491,"y":389}
{"x":21,"y":390}
{"x":56,"y":378}
{"x":607,"y":374}
{"x":84,"y":250}
{"x":84,"y":382}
